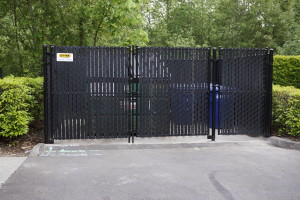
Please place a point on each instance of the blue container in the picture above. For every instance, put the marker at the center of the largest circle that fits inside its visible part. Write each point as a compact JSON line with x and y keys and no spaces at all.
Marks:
{"x":217,"y":125}
{"x":181,"y":104}
{"x":225,"y":97}
{"x":184,"y":103}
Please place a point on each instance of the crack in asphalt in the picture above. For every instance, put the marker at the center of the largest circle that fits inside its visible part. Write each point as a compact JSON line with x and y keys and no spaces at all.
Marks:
{"x":226,"y":194}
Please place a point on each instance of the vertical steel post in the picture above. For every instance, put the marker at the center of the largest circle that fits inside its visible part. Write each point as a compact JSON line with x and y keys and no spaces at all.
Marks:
{"x":46,"y":95}
{"x":218,"y":80}
{"x":136,"y":89}
{"x":214,"y":76}
{"x":50,"y":92}
{"x":209,"y":66}
{"x":132,"y":95}
{"x":129,"y":93}
{"x":270,"y":68}
{"x":132,"y":81}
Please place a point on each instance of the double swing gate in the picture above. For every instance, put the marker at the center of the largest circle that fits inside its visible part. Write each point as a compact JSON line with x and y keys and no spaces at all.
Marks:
{"x":127,"y":92}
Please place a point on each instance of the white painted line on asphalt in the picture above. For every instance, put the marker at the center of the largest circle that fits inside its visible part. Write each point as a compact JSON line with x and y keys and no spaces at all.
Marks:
{"x":65,"y":152}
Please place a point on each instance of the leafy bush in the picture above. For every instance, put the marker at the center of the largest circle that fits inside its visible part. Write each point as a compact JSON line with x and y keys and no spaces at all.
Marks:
{"x":286,"y":110}
{"x":287,"y":70}
{"x":20,"y":103}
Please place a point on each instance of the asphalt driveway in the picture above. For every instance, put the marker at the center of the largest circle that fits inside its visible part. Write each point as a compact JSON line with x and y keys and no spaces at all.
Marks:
{"x":220,"y":171}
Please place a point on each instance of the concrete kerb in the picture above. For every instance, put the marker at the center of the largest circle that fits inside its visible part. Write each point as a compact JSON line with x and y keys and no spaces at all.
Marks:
{"x":39,"y":148}
{"x":283,"y":143}
{"x":100,"y":145}
{"x":36,"y":150}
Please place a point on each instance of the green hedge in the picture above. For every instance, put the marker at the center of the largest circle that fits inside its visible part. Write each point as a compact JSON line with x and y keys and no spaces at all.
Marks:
{"x":287,"y":70}
{"x":20,"y":103}
{"x":286,"y":110}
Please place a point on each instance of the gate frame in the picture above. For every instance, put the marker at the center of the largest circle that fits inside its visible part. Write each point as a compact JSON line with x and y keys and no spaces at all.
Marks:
{"x":133,"y":79}
{"x":47,"y":65}
{"x":133,"y":95}
{"x":268,"y":89}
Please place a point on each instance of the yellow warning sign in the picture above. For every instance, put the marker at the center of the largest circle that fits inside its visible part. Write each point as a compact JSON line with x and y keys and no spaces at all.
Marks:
{"x":64,"y":57}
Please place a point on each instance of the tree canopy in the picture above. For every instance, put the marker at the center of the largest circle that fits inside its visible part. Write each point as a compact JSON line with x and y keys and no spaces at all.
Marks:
{"x":27,"y":24}
{"x":227,"y":23}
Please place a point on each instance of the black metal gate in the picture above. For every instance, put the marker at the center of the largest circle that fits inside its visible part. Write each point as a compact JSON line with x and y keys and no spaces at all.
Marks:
{"x":110,"y":92}
{"x":173,"y":91}
{"x":244,"y":79}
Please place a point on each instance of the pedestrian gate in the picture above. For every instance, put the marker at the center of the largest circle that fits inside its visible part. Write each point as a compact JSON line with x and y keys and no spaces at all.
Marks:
{"x":123,"y":92}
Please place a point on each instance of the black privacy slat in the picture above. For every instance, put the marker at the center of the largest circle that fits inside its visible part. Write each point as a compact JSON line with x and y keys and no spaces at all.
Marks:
{"x":173,"y":91}
{"x":243,"y":76}
{"x":88,"y":94}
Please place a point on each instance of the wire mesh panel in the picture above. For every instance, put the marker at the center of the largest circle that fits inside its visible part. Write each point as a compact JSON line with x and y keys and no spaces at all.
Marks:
{"x":89,"y":94}
{"x":243,"y":91}
{"x":173,"y":91}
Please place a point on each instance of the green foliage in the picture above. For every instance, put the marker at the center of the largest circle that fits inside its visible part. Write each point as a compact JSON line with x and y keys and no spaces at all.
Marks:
{"x":287,"y":70}
{"x":286,"y":110}
{"x":20,"y":104}
{"x":26,"y":25}
{"x":227,"y":23}
{"x":292,"y":46}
